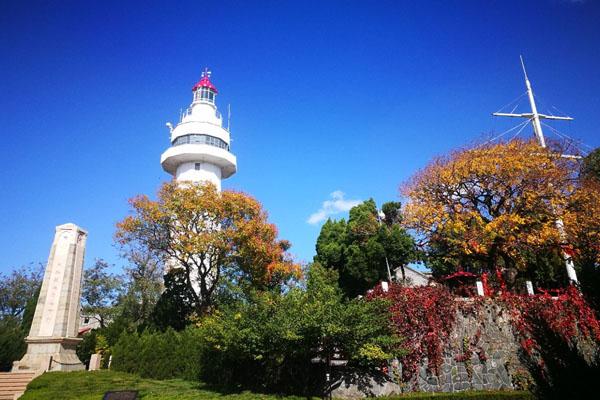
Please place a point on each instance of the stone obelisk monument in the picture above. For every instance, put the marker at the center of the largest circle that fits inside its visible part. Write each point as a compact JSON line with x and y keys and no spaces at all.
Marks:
{"x":53,"y":335}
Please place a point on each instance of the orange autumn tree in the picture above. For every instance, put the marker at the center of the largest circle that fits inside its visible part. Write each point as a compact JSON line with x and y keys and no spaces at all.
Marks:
{"x":582,"y":221}
{"x":491,"y":206}
{"x":209,"y":235}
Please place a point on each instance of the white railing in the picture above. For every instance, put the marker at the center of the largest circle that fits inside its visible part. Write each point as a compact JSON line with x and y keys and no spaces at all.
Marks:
{"x":188,"y":112}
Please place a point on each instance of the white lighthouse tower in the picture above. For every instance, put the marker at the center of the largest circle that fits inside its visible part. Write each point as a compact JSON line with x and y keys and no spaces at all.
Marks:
{"x":200,"y":145}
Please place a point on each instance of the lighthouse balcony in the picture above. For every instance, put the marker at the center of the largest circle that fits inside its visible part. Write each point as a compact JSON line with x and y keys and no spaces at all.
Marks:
{"x":196,"y":138}
{"x":183,"y":153}
{"x":189,"y":112}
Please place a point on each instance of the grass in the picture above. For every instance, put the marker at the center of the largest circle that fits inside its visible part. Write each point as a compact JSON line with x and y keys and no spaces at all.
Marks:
{"x":92,"y":386}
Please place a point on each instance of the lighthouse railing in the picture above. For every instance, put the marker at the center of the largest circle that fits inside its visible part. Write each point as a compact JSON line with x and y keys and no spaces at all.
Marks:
{"x":188,"y":112}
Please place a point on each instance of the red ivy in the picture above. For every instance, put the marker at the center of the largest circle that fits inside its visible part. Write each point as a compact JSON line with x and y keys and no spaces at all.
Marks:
{"x":567,"y":315}
{"x":424,"y":317}
{"x":470,"y":347}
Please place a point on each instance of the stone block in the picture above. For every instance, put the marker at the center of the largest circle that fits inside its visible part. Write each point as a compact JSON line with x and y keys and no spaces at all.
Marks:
{"x":95,"y":362}
{"x":446,"y":368}
{"x":432,"y":380}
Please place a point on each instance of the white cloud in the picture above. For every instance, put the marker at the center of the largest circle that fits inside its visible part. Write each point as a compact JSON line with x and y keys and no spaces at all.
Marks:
{"x":336,"y":205}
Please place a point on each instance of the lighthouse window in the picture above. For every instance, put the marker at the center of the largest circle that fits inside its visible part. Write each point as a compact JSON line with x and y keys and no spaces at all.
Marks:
{"x":207,"y":95}
{"x":201,"y":139}
{"x":204,"y":94}
{"x":197,"y":166}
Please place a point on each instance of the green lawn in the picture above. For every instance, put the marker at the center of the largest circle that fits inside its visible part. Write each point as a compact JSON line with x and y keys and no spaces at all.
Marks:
{"x":93,"y":385}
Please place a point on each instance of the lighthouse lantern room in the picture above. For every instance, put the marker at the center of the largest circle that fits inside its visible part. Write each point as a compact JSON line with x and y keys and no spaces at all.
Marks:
{"x":200,"y":145}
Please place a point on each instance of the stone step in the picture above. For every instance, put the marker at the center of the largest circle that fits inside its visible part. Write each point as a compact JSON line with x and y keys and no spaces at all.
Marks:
{"x":19,"y":379}
{"x":13,"y":384}
{"x":15,"y":378}
{"x":8,"y":386}
{"x":12,"y":388}
{"x":16,"y":375}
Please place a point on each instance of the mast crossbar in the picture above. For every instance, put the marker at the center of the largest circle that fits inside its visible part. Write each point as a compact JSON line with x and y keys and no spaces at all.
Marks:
{"x":531,"y":115}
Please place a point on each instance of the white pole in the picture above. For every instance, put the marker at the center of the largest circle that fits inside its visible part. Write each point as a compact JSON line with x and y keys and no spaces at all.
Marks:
{"x":537,"y":126}
{"x":479,"y":286}
{"x":229,"y":118}
{"x":529,"y":287}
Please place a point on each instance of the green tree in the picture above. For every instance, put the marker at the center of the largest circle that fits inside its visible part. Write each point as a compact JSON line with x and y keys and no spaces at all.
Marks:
{"x":18,"y":297}
{"x":12,"y":343}
{"x":17,"y":289}
{"x":144,"y":276}
{"x":362,"y":248}
{"x":590,"y":167}
{"x":176,"y":304}
{"x":101,"y":292}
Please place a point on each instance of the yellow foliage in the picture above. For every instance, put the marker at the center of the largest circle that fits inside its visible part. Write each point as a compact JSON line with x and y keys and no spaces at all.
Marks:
{"x":491,"y":202}
{"x":582,"y":219}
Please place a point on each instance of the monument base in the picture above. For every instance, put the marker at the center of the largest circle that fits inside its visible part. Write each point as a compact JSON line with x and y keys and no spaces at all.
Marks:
{"x":50,"y":354}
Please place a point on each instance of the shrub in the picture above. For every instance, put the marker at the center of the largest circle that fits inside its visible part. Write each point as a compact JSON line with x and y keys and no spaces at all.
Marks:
{"x":87,"y":347}
{"x":159,"y":355}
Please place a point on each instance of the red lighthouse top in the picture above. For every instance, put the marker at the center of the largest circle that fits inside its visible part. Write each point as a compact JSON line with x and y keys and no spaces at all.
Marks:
{"x":205,"y":82}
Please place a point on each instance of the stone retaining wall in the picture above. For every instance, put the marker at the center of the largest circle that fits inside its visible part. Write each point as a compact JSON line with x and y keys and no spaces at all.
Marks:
{"x":482,"y":355}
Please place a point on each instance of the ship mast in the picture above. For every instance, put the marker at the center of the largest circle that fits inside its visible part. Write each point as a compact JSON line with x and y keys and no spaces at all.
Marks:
{"x":535,"y":117}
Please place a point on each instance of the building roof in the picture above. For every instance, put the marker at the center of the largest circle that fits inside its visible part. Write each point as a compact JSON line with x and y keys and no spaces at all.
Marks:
{"x":460,"y":275}
{"x":205,"y":82}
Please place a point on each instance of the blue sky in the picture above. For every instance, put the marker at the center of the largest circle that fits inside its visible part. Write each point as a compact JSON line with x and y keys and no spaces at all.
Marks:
{"x":332,"y":101}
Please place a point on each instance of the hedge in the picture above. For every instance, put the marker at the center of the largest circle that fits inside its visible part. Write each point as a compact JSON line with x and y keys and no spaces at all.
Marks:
{"x":159,"y":355}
